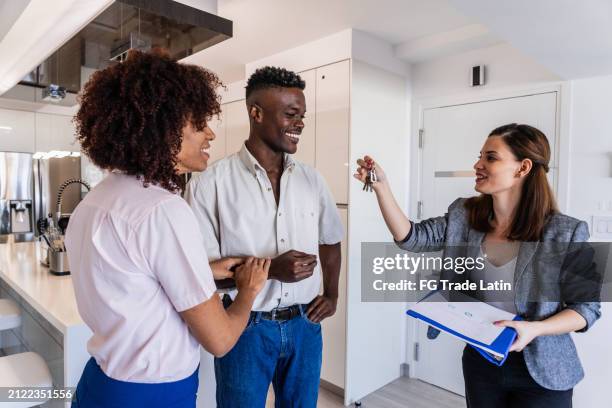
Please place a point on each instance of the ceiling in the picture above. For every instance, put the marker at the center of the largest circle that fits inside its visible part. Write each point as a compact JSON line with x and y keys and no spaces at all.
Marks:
{"x":266,"y":27}
{"x":10,"y":10}
{"x":571,"y":38}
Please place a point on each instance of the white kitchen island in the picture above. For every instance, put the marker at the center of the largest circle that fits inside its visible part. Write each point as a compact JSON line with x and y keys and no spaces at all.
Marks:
{"x":51,"y":325}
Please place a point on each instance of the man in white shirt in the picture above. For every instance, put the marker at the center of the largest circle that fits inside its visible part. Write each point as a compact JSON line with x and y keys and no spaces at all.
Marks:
{"x":261,"y":202}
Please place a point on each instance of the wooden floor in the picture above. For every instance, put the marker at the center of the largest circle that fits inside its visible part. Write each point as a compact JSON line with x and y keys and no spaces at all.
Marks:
{"x":403,"y":392}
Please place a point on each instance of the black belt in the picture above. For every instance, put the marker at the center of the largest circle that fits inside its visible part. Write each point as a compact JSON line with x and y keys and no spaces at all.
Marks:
{"x":281,"y":314}
{"x":278,"y":314}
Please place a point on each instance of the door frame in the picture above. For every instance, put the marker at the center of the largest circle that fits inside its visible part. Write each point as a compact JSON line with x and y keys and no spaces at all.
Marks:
{"x":562,"y":154}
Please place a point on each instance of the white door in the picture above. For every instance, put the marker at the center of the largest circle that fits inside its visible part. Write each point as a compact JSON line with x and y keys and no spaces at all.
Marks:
{"x":452,"y":139}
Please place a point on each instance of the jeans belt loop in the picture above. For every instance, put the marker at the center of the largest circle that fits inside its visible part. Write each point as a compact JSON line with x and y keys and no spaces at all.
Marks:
{"x":273,"y":311}
{"x":301,"y":307}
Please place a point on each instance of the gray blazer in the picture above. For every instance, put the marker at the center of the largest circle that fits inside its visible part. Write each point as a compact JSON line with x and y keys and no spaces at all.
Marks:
{"x":552,"y":361}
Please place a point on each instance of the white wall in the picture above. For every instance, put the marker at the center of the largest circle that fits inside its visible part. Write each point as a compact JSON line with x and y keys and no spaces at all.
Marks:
{"x":505,"y":66}
{"x":376,"y":52}
{"x":234,"y":91}
{"x":590,"y":187}
{"x":375,"y":331}
{"x":591,"y":148}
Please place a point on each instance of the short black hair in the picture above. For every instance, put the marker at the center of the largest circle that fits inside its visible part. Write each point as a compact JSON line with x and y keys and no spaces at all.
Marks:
{"x":273,"y":77}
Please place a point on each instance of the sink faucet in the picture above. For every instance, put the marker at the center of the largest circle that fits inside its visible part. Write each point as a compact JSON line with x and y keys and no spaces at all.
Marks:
{"x":60,"y":192}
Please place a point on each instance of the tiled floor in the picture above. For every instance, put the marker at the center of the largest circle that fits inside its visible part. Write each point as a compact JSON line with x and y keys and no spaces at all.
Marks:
{"x":403,"y":392}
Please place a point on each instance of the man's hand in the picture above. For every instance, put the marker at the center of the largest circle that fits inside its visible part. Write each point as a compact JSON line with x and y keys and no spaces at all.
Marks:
{"x":223,"y":268}
{"x":321,"y":307}
{"x":292,"y":266}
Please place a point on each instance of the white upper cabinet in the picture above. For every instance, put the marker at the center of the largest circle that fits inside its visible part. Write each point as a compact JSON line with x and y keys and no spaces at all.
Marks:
{"x":217,"y":147}
{"x":17,"y":131}
{"x":306,"y":147}
{"x":55,"y":132}
{"x":67,"y":134}
{"x":45,"y":134}
{"x":236,"y":125}
{"x":332,"y":127}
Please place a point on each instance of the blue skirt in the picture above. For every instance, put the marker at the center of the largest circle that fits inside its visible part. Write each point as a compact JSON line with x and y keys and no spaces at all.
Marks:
{"x":97,"y":390}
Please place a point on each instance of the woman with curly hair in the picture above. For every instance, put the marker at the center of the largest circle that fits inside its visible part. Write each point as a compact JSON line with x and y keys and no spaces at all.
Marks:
{"x":142,"y":282}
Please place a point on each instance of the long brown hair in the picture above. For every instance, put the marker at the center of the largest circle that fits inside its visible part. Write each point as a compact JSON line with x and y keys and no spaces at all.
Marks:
{"x":537,"y":201}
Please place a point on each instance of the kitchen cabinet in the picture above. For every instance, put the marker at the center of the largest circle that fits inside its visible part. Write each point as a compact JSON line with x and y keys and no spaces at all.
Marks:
{"x":236,"y":125}
{"x":306,"y":147}
{"x":17,"y":131}
{"x":55,"y":132}
{"x":332,"y":127}
{"x":334,"y":328}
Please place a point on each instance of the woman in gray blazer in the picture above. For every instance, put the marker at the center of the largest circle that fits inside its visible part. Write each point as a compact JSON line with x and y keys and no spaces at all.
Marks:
{"x":515,"y":223}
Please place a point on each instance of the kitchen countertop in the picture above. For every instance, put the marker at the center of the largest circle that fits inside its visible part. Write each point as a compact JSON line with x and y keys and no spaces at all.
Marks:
{"x":52,"y":296}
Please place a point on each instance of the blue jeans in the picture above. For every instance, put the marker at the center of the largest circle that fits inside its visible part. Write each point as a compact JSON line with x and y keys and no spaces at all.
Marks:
{"x":288,"y":354}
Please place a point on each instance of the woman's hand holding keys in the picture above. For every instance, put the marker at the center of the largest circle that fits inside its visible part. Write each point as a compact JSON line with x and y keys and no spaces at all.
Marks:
{"x":370,"y":173}
{"x":394,"y":217}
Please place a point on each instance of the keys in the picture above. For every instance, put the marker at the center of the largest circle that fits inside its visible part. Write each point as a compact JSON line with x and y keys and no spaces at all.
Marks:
{"x":370,"y":177}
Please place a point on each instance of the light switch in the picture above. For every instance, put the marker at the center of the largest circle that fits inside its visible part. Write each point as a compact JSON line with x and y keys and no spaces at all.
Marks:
{"x":602,"y":226}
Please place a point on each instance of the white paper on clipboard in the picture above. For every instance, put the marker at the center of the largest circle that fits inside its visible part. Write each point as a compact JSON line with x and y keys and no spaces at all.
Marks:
{"x":473,"y":319}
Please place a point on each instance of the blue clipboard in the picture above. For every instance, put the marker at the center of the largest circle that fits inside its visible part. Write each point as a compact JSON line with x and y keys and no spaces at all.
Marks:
{"x":500,"y":345}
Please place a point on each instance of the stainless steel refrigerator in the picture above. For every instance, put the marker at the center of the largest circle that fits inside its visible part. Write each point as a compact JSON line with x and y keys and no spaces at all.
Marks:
{"x":16,"y":196}
{"x":28,"y":191}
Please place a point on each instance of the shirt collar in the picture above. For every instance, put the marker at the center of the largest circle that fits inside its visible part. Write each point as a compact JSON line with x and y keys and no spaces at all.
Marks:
{"x":253,"y":165}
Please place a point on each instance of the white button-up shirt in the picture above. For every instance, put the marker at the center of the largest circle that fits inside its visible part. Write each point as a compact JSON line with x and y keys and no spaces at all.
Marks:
{"x":137,"y":261}
{"x":237,"y":212}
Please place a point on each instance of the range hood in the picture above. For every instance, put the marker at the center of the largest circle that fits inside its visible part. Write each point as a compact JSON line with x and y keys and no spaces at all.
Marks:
{"x":179,"y":29}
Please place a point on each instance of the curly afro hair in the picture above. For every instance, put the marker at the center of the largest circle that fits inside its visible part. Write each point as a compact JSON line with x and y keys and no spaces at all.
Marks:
{"x":273,"y":77}
{"x":132,"y":115}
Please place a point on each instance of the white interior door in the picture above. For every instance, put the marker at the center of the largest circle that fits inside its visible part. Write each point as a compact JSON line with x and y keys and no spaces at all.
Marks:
{"x":452,"y":139}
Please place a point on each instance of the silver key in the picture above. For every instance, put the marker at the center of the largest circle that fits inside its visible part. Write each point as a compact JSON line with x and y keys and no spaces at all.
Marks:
{"x":373,"y":177}
{"x":366,"y":183}
{"x":370,"y":180}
